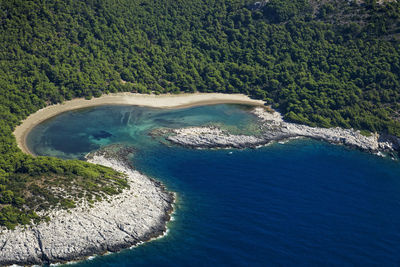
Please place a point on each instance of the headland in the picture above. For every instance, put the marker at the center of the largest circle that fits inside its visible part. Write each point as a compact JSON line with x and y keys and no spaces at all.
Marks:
{"x":136,"y":215}
{"x":273,"y":128}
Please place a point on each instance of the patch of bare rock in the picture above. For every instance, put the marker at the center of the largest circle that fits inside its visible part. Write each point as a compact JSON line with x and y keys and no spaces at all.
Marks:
{"x":136,"y":215}
{"x":274,"y":128}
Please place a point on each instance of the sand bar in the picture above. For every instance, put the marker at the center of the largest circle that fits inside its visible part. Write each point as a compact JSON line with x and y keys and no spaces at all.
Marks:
{"x":157,"y":101}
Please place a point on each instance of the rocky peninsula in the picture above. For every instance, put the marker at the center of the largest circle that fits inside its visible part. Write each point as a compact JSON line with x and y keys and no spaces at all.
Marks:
{"x":274,"y":128}
{"x":136,"y":215}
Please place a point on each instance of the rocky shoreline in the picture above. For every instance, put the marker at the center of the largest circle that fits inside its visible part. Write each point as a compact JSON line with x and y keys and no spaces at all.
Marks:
{"x":134,"y":216}
{"x":274,"y":128}
{"x":209,"y":137}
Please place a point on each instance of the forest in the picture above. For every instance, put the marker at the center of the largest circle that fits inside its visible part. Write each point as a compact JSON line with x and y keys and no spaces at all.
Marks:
{"x":321,"y":63}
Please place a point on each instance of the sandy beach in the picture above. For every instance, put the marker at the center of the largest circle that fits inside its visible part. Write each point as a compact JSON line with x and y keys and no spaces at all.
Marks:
{"x":157,"y":101}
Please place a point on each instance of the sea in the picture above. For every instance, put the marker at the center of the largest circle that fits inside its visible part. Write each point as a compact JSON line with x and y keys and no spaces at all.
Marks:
{"x":297,"y":203}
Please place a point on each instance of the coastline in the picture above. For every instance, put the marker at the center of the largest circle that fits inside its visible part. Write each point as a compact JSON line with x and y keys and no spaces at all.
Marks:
{"x":146,"y":205}
{"x":274,"y":129}
{"x":167,"y":101}
{"x":102,"y":227}
{"x":84,"y":231}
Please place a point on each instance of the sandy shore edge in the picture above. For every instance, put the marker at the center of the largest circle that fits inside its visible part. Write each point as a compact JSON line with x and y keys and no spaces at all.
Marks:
{"x":156,"y":101}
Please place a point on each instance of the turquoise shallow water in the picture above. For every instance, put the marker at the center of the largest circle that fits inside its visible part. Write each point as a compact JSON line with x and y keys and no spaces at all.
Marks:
{"x":300,"y":203}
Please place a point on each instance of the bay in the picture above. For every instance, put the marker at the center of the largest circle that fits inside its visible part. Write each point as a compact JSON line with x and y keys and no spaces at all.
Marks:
{"x":304,"y":202}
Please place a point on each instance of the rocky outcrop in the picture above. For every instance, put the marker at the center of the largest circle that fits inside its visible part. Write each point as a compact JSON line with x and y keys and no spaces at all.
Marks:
{"x":212,"y":137}
{"x":136,"y":215}
{"x":274,"y":128}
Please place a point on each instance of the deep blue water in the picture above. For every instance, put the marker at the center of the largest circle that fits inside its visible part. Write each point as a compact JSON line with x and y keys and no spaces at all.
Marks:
{"x":300,"y":203}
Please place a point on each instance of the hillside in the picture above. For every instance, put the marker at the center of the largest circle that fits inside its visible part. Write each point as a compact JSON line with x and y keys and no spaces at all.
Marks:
{"x":321,"y":63}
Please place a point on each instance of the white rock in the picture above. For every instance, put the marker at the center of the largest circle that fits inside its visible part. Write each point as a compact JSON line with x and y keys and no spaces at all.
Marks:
{"x":274,"y":128}
{"x":135,"y":215}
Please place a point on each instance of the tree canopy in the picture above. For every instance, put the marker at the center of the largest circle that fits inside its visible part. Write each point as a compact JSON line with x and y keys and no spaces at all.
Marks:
{"x":322,"y":63}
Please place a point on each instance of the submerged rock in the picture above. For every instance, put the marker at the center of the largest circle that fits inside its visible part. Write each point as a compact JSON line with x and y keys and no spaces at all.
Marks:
{"x":101,"y":134}
{"x":137,"y":214}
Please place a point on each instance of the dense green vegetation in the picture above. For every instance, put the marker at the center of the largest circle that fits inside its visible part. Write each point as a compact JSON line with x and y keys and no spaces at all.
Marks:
{"x":36,"y":184}
{"x":326,"y":63}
